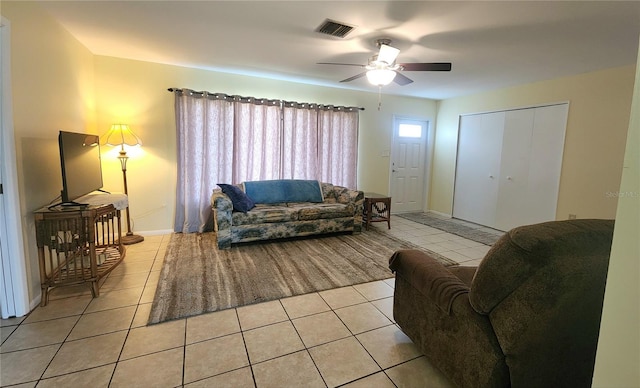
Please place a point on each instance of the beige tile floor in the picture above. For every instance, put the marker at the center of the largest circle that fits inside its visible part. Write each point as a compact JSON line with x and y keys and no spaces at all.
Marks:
{"x":343,"y":337}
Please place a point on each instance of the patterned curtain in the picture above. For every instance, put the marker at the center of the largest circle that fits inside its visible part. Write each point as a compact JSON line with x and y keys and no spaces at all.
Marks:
{"x":232,"y":139}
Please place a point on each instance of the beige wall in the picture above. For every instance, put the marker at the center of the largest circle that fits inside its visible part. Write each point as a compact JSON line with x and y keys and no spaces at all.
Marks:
{"x":53,"y":89}
{"x":599,"y":108}
{"x":619,"y":344}
{"x":135,"y":93}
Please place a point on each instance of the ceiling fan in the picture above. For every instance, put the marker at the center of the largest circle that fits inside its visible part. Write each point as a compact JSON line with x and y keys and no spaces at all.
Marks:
{"x":382,"y":68}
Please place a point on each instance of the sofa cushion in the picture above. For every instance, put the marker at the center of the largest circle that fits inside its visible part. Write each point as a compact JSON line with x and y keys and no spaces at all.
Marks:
{"x":319,"y":211}
{"x":241,"y":202}
{"x":263,"y":214}
{"x":284,"y":190}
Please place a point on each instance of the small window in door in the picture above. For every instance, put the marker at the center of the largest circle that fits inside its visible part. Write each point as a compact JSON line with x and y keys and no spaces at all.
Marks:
{"x":410,"y":130}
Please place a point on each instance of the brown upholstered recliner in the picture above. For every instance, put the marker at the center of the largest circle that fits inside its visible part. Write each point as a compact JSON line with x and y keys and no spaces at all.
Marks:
{"x":528,"y":316}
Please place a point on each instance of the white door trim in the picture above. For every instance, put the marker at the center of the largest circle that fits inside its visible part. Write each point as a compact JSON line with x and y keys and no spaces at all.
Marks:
{"x":13,"y":272}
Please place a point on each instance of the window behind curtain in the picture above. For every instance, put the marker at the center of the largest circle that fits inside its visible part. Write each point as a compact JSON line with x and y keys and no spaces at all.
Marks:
{"x":231,"y":140}
{"x":300,"y":144}
{"x":338,"y":147}
{"x":257,"y":142}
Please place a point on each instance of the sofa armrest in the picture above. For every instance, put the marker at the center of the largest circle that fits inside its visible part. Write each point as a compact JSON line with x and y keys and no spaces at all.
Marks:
{"x":222,"y":218}
{"x":428,"y":276}
{"x":223,"y":207}
{"x":344,"y":195}
{"x":357,"y":197}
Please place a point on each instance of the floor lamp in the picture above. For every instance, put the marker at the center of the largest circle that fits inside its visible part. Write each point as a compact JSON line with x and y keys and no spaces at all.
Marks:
{"x":119,"y":135}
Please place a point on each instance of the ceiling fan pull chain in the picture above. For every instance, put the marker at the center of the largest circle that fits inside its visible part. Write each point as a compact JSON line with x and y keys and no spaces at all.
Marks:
{"x":379,"y":96}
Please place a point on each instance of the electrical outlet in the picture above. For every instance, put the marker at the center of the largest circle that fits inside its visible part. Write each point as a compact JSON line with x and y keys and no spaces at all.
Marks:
{"x":572,"y":216}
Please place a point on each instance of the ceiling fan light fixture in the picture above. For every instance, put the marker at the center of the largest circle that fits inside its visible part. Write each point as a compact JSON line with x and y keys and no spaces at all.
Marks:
{"x":381,"y":77}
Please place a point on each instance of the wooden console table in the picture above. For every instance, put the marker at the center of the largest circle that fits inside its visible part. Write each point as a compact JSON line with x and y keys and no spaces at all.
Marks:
{"x":77,"y":245}
{"x":377,"y":208}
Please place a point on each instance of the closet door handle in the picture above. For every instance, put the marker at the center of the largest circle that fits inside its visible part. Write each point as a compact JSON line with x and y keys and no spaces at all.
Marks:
{"x":491,"y":176}
{"x":509,"y":178}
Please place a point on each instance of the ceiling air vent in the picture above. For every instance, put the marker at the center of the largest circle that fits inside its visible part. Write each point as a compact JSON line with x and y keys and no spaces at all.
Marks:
{"x":334,"y":28}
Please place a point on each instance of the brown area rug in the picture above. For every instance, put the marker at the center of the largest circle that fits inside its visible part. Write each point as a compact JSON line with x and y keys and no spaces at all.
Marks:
{"x":196,"y":277}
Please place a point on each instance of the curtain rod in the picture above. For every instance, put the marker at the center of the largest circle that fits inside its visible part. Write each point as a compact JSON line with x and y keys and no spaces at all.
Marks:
{"x":262,"y":100}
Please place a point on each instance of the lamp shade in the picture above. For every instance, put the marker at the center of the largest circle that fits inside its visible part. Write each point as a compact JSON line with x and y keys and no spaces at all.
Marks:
{"x":119,"y":135}
{"x":381,"y":77}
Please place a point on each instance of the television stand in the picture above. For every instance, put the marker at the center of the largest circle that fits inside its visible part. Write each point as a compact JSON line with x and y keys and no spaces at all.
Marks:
{"x":77,"y":246}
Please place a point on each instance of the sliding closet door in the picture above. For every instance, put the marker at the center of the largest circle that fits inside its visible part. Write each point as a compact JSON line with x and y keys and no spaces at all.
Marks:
{"x":508,"y":166}
{"x":533,"y":144}
{"x":478,"y":167}
{"x":513,"y":183}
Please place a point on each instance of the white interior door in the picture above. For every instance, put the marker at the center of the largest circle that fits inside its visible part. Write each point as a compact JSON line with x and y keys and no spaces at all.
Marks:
{"x":478,"y":167}
{"x":408,"y":165}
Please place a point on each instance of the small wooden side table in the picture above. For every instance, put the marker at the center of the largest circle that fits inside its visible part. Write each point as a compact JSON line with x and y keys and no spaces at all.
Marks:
{"x":377,"y":208}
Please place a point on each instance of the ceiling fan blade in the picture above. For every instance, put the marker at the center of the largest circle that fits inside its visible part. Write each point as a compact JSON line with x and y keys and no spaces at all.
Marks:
{"x":402,"y":79}
{"x":343,"y":64}
{"x":435,"y":66}
{"x":388,"y":54}
{"x":354,"y":77}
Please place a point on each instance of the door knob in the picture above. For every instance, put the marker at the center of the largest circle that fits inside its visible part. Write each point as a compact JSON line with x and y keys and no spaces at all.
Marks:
{"x":509,"y":178}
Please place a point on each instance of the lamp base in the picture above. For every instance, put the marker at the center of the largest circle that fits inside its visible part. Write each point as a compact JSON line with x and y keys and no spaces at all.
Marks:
{"x":131,"y":239}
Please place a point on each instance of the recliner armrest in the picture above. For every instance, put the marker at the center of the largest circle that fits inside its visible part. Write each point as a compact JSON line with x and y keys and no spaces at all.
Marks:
{"x":428,"y":276}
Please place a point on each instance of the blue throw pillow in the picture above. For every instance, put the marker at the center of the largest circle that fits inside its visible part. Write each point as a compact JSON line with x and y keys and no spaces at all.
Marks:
{"x":241,"y":202}
{"x":284,"y":190}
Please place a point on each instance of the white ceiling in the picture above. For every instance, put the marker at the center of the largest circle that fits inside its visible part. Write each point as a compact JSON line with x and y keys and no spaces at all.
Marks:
{"x":491,"y":44}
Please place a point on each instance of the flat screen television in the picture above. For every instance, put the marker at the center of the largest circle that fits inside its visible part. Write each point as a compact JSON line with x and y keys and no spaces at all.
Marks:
{"x":81,"y":165}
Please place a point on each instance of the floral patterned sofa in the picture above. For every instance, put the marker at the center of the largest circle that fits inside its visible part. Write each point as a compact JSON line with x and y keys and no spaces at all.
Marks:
{"x":338,"y":209}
